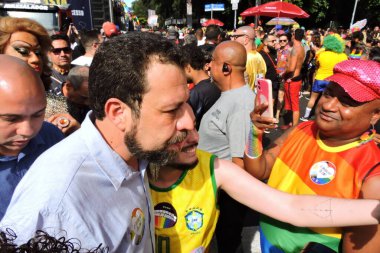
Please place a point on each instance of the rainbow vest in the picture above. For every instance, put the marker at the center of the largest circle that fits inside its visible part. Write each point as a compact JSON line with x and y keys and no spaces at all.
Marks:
{"x":307,"y":166}
{"x":186,"y":213}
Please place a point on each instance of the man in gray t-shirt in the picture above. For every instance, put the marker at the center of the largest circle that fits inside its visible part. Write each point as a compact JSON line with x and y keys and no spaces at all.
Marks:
{"x":224,"y":130}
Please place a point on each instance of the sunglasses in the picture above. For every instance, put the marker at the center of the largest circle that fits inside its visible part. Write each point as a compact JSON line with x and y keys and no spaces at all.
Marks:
{"x":66,"y":50}
{"x":283,"y":40}
{"x":234,"y":36}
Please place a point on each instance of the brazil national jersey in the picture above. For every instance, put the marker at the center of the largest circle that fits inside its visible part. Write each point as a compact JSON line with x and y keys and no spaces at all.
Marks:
{"x":186,"y":213}
{"x":307,"y":166}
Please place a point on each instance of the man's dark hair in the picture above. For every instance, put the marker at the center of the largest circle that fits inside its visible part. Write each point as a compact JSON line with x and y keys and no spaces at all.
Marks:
{"x":120,"y":66}
{"x":357,"y":35}
{"x":212,"y":32}
{"x":289,"y":36}
{"x":60,"y":36}
{"x":42,"y":242}
{"x":194,"y":56}
{"x":89,"y":37}
{"x":374,"y":54}
{"x":299,"y":34}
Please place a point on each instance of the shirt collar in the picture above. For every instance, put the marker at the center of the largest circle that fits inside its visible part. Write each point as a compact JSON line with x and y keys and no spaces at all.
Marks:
{"x":111,"y":163}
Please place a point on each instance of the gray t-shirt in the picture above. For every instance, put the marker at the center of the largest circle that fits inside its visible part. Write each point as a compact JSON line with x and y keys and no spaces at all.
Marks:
{"x":224,"y":128}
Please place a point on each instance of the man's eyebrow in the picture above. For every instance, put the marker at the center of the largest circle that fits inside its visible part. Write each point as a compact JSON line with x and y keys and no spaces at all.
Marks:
{"x":18,"y":115}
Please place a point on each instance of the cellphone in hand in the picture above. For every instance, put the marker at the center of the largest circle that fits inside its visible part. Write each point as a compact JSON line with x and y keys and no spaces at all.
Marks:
{"x":264,"y":95}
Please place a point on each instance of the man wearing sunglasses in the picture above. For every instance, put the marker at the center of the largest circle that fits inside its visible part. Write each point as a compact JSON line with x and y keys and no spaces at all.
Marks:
{"x":60,"y":56}
{"x":269,"y":54}
{"x":255,"y":65}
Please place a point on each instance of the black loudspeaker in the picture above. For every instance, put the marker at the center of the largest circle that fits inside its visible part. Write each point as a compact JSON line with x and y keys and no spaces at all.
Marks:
{"x":225,"y":68}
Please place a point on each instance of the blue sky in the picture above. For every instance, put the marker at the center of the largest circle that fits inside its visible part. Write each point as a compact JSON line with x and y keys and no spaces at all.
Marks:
{"x":129,"y":2}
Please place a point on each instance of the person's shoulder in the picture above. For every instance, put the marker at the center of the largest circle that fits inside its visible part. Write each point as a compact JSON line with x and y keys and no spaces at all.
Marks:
{"x":50,"y":133}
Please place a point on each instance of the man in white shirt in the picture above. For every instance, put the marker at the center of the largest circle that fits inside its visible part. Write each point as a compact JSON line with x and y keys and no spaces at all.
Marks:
{"x":93,"y":185}
{"x":91,"y":40}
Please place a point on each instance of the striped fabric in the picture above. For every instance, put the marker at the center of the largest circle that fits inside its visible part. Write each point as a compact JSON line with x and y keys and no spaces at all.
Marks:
{"x":307,"y":166}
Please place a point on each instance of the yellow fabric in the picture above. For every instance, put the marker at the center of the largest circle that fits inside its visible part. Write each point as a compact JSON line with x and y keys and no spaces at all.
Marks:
{"x":326,"y":61}
{"x":255,"y":65}
{"x":285,"y":181}
{"x":186,"y":213}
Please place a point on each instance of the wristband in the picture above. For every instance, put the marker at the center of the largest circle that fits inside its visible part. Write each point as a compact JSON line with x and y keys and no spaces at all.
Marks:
{"x":254,"y":146}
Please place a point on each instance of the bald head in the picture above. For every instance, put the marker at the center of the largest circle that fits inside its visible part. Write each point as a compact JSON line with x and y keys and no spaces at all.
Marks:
{"x":245,"y":35}
{"x":22,"y":105}
{"x":247,"y":30}
{"x":231,"y":52}
{"x":228,"y":65}
{"x":13,"y":77}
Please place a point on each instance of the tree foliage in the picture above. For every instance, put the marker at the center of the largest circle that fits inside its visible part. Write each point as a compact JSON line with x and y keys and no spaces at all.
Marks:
{"x":322,"y":12}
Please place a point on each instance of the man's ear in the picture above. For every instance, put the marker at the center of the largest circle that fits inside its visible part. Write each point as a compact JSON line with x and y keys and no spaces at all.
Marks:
{"x":375,"y":117}
{"x":67,"y":87}
{"x":188,"y":69}
{"x":118,"y":113}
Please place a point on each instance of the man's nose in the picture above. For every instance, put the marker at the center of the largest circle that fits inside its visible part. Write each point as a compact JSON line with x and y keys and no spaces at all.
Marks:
{"x":25,"y":128}
{"x":186,"y":119}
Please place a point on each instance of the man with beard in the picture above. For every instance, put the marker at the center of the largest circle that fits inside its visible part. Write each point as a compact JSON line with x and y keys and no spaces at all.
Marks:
{"x":93,"y":185}
{"x":335,"y":156}
{"x":269,"y":53}
{"x":184,"y":195}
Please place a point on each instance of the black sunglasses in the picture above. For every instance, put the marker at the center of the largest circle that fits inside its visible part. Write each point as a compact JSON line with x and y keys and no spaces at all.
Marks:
{"x":66,"y":50}
{"x":236,"y":35}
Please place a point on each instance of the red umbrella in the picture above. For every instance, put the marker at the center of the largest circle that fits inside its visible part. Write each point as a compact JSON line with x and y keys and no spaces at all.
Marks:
{"x":276,"y":9}
{"x":213,"y":22}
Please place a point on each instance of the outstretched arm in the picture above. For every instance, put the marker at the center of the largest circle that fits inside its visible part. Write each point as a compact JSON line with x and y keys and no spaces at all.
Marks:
{"x":298,"y":210}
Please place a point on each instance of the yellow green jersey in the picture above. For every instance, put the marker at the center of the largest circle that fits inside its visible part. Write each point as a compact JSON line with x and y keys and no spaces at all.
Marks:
{"x":186,"y":212}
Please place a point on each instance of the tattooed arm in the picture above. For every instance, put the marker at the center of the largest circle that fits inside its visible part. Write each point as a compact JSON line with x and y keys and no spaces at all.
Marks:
{"x":299,"y":210}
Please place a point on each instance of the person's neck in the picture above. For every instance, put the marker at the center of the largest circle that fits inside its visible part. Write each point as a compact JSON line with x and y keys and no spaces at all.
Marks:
{"x":233,"y":83}
{"x":266,"y":49}
{"x":198,"y":76}
{"x":89,"y":53}
{"x":61,"y":69}
{"x":167,"y":176}
{"x":336,"y":141}
{"x":249,"y":48}
{"x":115,"y":139}
{"x":297,"y":43}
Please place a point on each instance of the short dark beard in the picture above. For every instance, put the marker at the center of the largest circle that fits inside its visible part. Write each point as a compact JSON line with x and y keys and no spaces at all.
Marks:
{"x":182,"y":166}
{"x":159,"y":156}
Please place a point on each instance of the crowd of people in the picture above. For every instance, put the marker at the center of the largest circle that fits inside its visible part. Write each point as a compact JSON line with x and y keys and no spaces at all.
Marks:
{"x":153,"y":141}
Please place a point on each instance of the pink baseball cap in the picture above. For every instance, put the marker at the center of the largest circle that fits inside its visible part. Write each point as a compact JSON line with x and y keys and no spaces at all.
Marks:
{"x":360,"y":79}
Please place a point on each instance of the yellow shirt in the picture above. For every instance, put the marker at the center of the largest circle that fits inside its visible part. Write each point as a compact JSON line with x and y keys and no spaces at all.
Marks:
{"x":255,"y":65}
{"x":326,"y":61}
{"x":186,"y":213}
